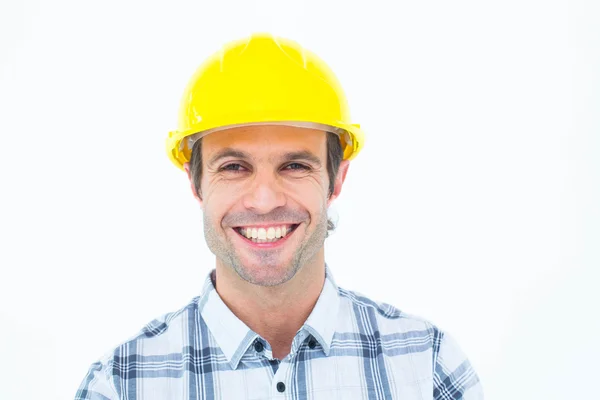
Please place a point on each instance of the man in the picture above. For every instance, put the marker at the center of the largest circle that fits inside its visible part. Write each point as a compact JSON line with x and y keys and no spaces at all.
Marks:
{"x":266,"y":140}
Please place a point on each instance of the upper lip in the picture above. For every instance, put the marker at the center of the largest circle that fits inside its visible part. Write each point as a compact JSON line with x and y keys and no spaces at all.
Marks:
{"x":263,"y":225}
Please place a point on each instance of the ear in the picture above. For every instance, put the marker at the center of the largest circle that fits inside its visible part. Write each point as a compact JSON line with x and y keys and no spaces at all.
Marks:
{"x":186,"y":166}
{"x":339,"y":181}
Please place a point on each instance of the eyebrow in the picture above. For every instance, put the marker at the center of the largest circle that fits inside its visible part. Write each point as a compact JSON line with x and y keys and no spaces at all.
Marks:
{"x":302,"y":155}
{"x":228,"y":152}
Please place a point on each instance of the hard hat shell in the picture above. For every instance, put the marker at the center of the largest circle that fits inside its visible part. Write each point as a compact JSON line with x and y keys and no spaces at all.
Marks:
{"x":262,"y":79}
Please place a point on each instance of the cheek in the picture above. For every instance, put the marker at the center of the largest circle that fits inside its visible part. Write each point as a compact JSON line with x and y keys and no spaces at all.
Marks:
{"x":219,"y":199}
{"x":310,"y":194}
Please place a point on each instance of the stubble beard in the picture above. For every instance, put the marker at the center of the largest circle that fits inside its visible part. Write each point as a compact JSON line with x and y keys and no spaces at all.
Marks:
{"x":225,"y":251}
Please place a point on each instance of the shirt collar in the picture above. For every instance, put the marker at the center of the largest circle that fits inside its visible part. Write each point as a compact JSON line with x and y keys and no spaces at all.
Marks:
{"x":231,"y":334}
{"x":234,"y":337}
{"x":322,"y":320}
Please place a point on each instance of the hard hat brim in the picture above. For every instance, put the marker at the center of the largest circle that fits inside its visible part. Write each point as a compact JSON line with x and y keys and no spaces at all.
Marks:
{"x":179,"y":144}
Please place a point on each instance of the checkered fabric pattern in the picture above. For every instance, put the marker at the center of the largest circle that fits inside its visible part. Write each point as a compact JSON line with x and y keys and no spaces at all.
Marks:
{"x":350,"y":347}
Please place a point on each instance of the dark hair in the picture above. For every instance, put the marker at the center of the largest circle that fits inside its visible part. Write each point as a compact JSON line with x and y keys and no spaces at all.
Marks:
{"x":334,"y":159}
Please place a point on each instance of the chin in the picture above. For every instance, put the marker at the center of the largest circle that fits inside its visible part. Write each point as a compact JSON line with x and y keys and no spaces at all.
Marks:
{"x":265,"y":273}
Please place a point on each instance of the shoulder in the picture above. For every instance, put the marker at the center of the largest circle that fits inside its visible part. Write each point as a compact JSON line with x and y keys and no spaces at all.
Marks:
{"x":165,"y":330}
{"x":163,"y":335}
{"x":388,"y":319}
{"x":399,"y":332}
{"x":160,"y":337}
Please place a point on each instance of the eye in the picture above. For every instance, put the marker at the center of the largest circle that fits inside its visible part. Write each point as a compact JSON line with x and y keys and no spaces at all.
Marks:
{"x":233,"y":167}
{"x":296,"y":166}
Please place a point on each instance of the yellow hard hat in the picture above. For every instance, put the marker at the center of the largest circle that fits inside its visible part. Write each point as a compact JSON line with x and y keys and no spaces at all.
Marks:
{"x":258,"y":80}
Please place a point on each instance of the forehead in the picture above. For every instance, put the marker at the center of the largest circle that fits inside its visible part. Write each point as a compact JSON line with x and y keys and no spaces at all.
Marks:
{"x":259,"y":140}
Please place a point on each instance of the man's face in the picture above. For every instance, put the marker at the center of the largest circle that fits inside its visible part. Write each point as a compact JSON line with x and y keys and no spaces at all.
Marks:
{"x":264,"y":191}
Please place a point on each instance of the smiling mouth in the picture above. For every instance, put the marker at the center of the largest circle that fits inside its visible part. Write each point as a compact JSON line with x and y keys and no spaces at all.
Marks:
{"x":266,"y":234}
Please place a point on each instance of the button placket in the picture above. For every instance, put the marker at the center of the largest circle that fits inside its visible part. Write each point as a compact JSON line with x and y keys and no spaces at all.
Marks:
{"x":280,"y":385}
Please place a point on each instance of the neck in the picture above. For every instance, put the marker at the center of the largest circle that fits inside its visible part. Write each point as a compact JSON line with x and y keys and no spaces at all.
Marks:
{"x":276,"y":313}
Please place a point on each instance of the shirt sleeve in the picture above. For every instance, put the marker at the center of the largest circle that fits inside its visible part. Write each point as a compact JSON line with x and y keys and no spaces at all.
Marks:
{"x":98,"y":384}
{"x":453,"y":377}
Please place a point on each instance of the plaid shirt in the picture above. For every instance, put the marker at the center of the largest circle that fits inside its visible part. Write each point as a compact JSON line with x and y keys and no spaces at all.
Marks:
{"x":350,"y":347}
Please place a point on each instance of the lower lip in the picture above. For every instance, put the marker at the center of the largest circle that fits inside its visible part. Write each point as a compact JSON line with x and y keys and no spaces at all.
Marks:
{"x":266,"y":245}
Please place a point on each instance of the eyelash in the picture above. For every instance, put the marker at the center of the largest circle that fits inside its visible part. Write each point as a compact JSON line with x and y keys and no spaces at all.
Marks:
{"x":302,"y":166}
{"x":237,"y":171}
{"x":226,"y":168}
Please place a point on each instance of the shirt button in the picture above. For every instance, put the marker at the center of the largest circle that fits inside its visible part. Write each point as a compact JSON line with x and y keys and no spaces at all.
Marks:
{"x":258,"y":346}
{"x":312,"y":343}
{"x":280,"y":386}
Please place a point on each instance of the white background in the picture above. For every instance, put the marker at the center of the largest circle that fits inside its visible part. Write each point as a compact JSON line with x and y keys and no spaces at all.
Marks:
{"x":474,"y":204}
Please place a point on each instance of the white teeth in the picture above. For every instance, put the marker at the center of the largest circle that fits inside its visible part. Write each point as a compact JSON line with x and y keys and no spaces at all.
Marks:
{"x":262,"y":233}
{"x":265,"y":235}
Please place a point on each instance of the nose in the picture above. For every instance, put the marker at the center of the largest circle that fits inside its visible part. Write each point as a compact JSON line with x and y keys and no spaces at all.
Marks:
{"x":265,"y":195}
